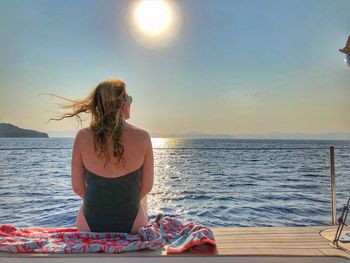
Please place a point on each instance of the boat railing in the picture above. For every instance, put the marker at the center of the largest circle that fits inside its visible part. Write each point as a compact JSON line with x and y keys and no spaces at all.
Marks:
{"x":333,"y":186}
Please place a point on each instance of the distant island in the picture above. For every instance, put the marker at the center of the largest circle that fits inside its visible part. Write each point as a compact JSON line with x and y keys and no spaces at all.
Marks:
{"x":260,"y":136}
{"x":9,"y":130}
{"x":252,"y":136}
{"x":193,"y":135}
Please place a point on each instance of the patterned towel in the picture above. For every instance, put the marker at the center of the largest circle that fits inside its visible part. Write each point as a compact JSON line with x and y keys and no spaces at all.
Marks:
{"x":182,"y":236}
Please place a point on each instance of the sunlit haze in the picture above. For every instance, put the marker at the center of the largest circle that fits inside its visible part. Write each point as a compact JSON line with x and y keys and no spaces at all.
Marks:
{"x":193,"y":67}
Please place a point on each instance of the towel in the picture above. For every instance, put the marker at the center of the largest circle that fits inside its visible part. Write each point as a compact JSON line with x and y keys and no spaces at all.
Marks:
{"x":345,"y":237}
{"x":181,"y":235}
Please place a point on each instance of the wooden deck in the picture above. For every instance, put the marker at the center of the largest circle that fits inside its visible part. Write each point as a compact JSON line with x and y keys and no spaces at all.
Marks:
{"x":276,"y":241}
{"x":245,"y":241}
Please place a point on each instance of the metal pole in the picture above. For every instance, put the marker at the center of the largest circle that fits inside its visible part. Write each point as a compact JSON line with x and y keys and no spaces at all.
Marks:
{"x":333,"y":187}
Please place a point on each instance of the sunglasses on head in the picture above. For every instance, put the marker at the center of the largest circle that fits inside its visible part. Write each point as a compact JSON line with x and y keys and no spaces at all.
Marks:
{"x":128,"y":99}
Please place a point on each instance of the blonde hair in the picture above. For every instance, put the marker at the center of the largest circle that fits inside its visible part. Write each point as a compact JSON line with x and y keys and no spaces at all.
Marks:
{"x":105,"y":104}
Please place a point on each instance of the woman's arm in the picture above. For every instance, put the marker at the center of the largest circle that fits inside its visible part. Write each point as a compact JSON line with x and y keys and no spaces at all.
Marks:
{"x":78,"y":176}
{"x":148,"y":170}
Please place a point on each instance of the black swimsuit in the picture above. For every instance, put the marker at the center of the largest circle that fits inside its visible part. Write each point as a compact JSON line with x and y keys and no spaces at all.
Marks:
{"x":112,"y":204}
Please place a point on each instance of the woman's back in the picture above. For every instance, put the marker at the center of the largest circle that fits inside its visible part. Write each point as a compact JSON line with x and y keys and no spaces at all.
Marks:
{"x":112,"y":195}
{"x":135,"y":143}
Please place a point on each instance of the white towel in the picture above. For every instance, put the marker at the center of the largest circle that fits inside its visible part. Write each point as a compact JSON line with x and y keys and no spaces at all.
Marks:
{"x":345,"y":236}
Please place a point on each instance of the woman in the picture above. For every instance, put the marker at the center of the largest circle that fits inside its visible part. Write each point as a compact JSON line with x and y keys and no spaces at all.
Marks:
{"x":112,"y":163}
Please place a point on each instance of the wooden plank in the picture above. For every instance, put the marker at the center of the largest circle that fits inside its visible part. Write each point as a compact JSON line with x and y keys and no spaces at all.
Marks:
{"x":251,"y":243}
{"x":335,"y":252}
{"x":273,"y":245}
{"x":272,"y":228}
{"x":271,"y":241}
{"x":269,"y":251}
{"x":313,"y":236}
{"x":267,"y":238}
{"x":263,"y":238}
{"x":268,"y":232}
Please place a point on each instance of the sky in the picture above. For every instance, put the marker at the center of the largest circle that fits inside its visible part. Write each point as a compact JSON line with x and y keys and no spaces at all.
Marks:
{"x":228,"y":67}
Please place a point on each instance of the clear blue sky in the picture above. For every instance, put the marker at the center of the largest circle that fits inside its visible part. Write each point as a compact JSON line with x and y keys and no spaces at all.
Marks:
{"x":233,"y":67}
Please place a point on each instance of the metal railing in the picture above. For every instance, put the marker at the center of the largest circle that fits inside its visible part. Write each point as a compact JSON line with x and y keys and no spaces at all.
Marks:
{"x":333,"y":186}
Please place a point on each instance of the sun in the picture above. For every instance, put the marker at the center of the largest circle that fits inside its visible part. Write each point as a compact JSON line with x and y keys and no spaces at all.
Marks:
{"x":154,"y":23}
{"x":153,"y":17}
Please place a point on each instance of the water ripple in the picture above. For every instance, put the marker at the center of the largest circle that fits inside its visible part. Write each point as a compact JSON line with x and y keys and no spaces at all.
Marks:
{"x":215,"y":182}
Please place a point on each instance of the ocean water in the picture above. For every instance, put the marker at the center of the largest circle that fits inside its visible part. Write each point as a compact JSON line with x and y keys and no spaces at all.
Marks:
{"x":213,"y":182}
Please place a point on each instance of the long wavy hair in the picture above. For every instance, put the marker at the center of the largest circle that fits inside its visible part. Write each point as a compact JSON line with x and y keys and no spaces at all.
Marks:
{"x":105,"y":104}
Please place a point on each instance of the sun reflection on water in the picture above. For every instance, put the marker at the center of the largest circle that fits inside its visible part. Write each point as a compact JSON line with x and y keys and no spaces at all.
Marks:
{"x":166,"y":143}
{"x":165,"y":174}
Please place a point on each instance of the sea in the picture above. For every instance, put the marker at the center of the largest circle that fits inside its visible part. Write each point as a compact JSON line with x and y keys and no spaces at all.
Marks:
{"x":215,"y":182}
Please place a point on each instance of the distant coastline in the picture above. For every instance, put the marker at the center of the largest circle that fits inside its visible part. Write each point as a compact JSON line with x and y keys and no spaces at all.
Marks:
{"x":257,"y":136}
{"x":8,"y":130}
{"x":262,"y":136}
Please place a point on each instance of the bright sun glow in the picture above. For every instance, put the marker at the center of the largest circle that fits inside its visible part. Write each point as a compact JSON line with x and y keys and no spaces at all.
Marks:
{"x":153,"y":17}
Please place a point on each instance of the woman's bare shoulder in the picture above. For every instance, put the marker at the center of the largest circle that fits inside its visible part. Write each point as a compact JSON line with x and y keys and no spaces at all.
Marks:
{"x":138,"y":132}
{"x":86,"y":130}
{"x":83,"y":134}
